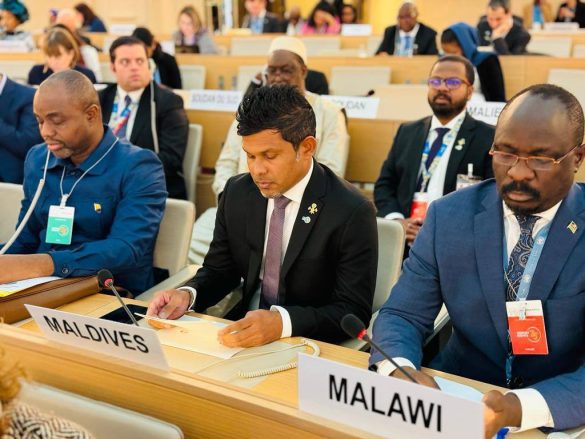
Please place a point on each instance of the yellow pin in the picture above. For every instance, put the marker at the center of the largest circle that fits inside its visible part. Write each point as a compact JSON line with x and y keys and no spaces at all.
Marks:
{"x":313,"y":209}
{"x":572,"y":227}
{"x":97,"y":207}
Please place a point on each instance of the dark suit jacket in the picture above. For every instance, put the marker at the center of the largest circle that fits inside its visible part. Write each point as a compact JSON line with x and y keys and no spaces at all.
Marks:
{"x":19,"y":130}
{"x":514,"y":43}
{"x":425,"y":41}
{"x":579,"y":14}
{"x":456,"y":259}
{"x":170,"y":75}
{"x":394,"y":189}
{"x":329,"y":268}
{"x":37,"y":74}
{"x":491,"y":79}
{"x":272,"y":24}
{"x":172,"y":128}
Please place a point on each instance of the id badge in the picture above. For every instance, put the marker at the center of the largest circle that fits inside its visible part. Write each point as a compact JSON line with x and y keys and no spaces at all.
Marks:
{"x":464,"y":181}
{"x":526,"y":327}
{"x":60,"y":225}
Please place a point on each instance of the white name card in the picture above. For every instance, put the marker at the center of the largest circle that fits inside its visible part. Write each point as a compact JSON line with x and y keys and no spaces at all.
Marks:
{"x":487,"y":112}
{"x":128,"y":342}
{"x":14,"y":46}
{"x":356,"y":30}
{"x":384,"y":406}
{"x":121,"y":28}
{"x":357,"y":107}
{"x":214,"y":100}
{"x":561,"y":27}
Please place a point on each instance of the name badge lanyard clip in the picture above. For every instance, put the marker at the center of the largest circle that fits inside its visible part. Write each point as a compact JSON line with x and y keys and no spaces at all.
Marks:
{"x":525,"y":282}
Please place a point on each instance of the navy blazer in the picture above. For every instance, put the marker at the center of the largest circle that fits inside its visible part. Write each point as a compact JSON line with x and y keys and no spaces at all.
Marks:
{"x":457,"y":259}
{"x":19,"y":130}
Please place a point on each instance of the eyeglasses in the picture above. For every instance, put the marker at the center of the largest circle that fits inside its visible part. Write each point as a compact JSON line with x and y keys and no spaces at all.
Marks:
{"x":450,"y":83}
{"x":536,"y":163}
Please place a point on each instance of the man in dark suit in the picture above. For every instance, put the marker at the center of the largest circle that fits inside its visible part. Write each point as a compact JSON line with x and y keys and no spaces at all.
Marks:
{"x":409,"y":37}
{"x":128,"y":106}
{"x":492,"y":250}
{"x":303,"y":239}
{"x":428,"y":154}
{"x":19,"y":129}
{"x":502,"y":30}
{"x":259,"y":20}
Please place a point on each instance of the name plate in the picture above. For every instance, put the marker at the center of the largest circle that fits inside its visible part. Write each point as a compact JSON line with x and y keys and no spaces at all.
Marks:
{"x":487,"y":112}
{"x":562,"y":27}
{"x":356,"y":30}
{"x":121,"y":28}
{"x":384,"y":406}
{"x":214,"y":100}
{"x":14,"y":46}
{"x":357,"y":107}
{"x":127,"y":342}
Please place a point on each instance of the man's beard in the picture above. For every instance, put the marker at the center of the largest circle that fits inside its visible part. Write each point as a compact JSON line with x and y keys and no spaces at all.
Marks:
{"x":449,"y":110}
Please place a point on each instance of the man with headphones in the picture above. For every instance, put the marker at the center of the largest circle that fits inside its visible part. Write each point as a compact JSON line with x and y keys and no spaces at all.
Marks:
{"x":148,"y":115}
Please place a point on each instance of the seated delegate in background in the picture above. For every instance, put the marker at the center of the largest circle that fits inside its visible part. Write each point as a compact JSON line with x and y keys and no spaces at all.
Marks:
{"x":12,"y":14}
{"x":513,"y":243}
{"x":293,"y":21}
{"x":461,"y":39}
{"x":348,"y":14}
{"x":501,"y":30}
{"x":61,"y":53}
{"x":192,"y":37}
{"x":19,"y":130}
{"x":322,"y":20}
{"x":537,"y":13}
{"x":259,"y":20}
{"x":166,"y":70}
{"x":409,"y":36}
{"x":111,"y":192}
{"x":90,"y":21}
{"x":572,"y":11}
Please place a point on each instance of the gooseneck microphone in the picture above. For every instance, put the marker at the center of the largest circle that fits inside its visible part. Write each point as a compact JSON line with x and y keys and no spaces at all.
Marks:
{"x":356,"y":329}
{"x":106,"y":280}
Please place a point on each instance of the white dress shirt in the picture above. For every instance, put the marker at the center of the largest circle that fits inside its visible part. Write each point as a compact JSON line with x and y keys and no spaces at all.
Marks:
{"x":401,"y":49}
{"x":436,"y":184}
{"x":120,"y":98}
{"x":3,"y":79}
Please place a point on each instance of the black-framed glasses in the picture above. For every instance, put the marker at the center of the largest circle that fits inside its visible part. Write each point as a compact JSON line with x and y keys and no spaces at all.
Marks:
{"x":535,"y":162}
{"x":450,"y":83}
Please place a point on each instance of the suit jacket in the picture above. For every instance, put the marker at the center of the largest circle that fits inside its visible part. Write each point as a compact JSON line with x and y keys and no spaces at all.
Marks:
{"x":491,"y":79}
{"x":457,"y":260}
{"x":329,"y":268}
{"x":272,"y":24}
{"x":425,"y":41}
{"x":170,"y":75}
{"x":394,"y":189}
{"x":172,"y":128}
{"x":19,"y":130}
{"x":514,"y":43}
{"x":579,"y":14}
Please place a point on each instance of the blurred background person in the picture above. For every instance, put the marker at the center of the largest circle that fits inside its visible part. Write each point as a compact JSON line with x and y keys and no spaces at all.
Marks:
{"x":13,"y":13}
{"x":537,"y":13}
{"x":166,"y":71}
{"x":192,"y":36}
{"x":323,"y":20}
{"x":572,"y":11}
{"x":348,"y":14}
{"x":259,"y":20}
{"x":61,"y":53}
{"x":461,"y":39}
{"x":293,"y":21}
{"x":502,"y":30}
{"x":90,"y":22}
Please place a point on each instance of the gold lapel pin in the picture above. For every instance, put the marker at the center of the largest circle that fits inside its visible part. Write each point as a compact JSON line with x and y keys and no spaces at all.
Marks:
{"x":97,"y":207}
{"x":312,"y":209}
{"x":572,"y":227}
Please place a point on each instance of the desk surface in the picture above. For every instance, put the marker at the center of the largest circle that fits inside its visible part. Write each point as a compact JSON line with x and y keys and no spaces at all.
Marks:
{"x":201,"y":407}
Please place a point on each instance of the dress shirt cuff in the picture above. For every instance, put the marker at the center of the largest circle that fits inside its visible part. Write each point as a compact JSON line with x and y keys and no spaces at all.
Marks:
{"x":535,"y":411}
{"x":61,"y":261}
{"x":286,"y":323}
{"x":394,"y":216}
{"x":386,"y":368}
{"x":193,"y":293}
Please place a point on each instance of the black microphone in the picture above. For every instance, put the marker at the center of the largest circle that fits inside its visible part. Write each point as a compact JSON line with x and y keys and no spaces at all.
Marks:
{"x":356,"y":329}
{"x":106,"y":280}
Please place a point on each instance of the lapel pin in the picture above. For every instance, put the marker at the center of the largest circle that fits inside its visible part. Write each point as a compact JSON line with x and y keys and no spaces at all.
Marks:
{"x":460,"y":144}
{"x":306,"y":219}
{"x":97,"y":207}
{"x":313,"y":208}
{"x":572,"y":227}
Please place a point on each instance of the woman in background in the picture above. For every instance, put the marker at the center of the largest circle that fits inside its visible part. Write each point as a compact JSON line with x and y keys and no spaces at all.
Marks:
{"x":192,"y":37}
{"x":12,"y":14}
{"x":348,"y":14}
{"x":322,"y":20}
{"x":61,"y":53}
{"x":461,"y":39}
{"x":91,"y":22}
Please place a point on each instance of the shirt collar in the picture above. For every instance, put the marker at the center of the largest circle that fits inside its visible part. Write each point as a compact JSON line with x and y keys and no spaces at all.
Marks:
{"x":296,"y":192}
{"x":3,"y":82}
{"x":547,"y":215}
{"x":134,"y":95}
{"x":435,"y":123}
{"x":412,"y":33}
{"x":107,"y":140}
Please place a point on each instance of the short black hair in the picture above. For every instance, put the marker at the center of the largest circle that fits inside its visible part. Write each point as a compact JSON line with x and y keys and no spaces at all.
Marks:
{"x":144,"y":35}
{"x":321,"y":6}
{"x":495,"y":4}
{"x":469,"y":71}
{"x":279,"y":108}
{"x":573,"y":108}
{"x":448,"y":36}
{"x":124,"y":41}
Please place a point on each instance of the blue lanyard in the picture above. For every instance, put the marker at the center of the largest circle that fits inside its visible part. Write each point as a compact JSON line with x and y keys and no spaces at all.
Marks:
{"x":125,"y":112}
{"x":428,"y":172}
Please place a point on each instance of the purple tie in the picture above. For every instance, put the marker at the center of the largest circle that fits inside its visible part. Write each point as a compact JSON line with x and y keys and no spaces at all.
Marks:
{"x":273,"y":257}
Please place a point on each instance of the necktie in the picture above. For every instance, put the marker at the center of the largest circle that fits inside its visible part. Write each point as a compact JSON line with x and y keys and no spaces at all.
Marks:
{"x":120,"y":129}
{"x":519,"y":256}
{"x":407,"y":45}
{"x":433,"y":151}
{"x":273,"y":257}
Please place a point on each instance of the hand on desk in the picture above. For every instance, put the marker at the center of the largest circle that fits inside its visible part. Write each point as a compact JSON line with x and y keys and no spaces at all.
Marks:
{"x":256,"y":329}
{"x":169,"y":304}
{"x":500,"y":411}
{"x":420,"y":377}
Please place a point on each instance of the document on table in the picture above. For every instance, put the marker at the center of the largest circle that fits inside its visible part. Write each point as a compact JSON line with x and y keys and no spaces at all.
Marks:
{"x":192,"y":334}
{"x":458,"y":389}
{"x":14,"y":287}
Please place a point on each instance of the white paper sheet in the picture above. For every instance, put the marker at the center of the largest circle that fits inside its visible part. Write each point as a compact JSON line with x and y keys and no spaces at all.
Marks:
{"x":458,"y":389}
{"x":14,"y":287}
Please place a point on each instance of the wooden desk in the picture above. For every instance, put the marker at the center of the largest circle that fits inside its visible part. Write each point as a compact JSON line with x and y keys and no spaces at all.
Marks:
{"x":201,"y":407}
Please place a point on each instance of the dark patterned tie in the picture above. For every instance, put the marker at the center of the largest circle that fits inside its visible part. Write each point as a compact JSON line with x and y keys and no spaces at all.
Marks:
{"x":519,"y":256}
{"x":273,"y":257}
